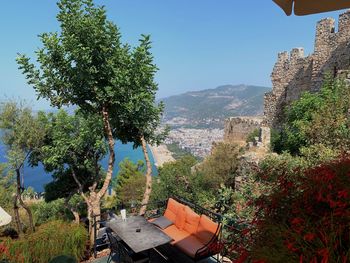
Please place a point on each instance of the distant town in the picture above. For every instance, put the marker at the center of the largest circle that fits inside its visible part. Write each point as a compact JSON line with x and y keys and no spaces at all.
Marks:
{"x":196,"y":141}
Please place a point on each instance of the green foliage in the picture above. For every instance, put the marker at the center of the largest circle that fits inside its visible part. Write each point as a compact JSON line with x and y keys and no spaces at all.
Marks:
{"x":22,"y":132}
{"x":130,"y":182}
{"x":87,"y":65}
{"x":317,"y":118}
{"x":7,"y":188}
{"x":251,"y":136}
{"x":48,"y":211}
{"x":174,"y":179}
{"x":29,"y":192}
{"x":73,"y":143}
{"x":50,"y":240}
{"x":220,"y":167}
{"x":209,"y":184}
{"x":176,"y":151}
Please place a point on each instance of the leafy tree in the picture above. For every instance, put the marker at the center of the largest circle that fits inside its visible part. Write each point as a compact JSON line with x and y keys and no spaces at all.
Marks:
{"x":87,"y":65}
{"x":22,"y":134}
{"x":175,"y":178}
{"x":130,"y":181}
{"x":73,"y":148}
{"x":220,"y":167}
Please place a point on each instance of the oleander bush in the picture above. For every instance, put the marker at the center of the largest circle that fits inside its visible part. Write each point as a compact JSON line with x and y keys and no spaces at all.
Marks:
{"x":303,"y":218}
{"x":50,"y":240}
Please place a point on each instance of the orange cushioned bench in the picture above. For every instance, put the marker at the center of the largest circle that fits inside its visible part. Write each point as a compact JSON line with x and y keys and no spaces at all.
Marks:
{"x":195,"y":235}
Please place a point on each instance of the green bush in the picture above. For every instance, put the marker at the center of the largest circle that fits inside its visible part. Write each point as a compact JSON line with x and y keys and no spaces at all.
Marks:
{"x":48,"y":211}
{"x":316,"y":118}
{"x":251,"y":136}
{"x":50,"y":240}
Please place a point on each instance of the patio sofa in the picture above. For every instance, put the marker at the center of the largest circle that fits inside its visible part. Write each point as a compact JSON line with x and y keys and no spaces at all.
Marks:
{"x":195,"y":234}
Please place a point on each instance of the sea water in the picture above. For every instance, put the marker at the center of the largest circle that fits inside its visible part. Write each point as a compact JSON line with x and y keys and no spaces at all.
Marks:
{"x":36,"y":177}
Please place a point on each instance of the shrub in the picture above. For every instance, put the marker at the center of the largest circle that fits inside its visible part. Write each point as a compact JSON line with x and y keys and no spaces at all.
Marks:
{"x":304,"y":218}
{"x":48,"y":211}
{"x":251,"y":136}
{"x":316,"y":118}
{"x":50,"y":240}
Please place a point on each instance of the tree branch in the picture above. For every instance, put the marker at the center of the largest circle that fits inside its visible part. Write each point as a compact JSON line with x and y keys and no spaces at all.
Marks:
{"x":80,"y":187}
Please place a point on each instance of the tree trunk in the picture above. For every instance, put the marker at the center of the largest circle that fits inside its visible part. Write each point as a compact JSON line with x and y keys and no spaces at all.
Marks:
{"x":95,"y":212}
{"x":108,"y":133}
{"x":148,"y":188}
{"x":76,"y":216}
{"x":19,"y":197}
{"x":71,"y":208}
{"x":15,"y":210}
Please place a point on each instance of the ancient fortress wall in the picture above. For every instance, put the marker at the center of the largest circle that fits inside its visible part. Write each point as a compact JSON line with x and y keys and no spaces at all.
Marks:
{"x":238,"y":128}
{"x":294,"y":73}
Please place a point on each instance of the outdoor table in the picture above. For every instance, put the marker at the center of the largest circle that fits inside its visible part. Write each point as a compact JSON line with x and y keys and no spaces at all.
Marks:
{"x":149,"y":236}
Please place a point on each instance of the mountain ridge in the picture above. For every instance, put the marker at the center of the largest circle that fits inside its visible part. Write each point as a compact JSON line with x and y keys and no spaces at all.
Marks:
{"x":210,"y":107}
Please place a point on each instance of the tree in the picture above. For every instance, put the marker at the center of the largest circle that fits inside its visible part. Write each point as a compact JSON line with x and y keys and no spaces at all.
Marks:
{"x":87,"y":65}
{"x":22,"y":134}
{"x":73,"y":148}
{"x":220,"y":167}
{"x":176,"y":178}
{"x":130,"y":181}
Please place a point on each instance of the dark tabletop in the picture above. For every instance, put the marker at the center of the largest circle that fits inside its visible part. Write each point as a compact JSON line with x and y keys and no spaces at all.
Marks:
{"x":149,"y":236}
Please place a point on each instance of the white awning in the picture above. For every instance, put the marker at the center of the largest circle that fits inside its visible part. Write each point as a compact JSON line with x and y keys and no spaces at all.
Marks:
{"x":5,"y":218}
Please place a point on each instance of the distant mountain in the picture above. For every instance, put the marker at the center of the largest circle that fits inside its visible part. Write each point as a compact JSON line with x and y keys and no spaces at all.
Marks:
{"x":209,"y":108}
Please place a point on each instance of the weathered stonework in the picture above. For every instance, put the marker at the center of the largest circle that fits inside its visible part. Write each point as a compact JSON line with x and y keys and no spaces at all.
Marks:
{"x":294,"y":73}
{"x":238,"y":128}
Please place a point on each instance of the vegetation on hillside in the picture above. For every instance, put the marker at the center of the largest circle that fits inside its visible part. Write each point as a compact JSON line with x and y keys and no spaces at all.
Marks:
{"x":209,"y":108}
{"x":50,"y":240}
{"x":317,"y":119}
{"x":176,"y":151}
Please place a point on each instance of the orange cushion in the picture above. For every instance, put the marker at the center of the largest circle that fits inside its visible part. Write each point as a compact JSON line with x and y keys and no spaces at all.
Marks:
{"x":170,"y":215}
{"x":206,"y":229}
{"x":171,"y":210}
{"x":189,"y":245}
{"x":175,"y":233}
{"x":192,"y":220}
{"x":180,"y":218}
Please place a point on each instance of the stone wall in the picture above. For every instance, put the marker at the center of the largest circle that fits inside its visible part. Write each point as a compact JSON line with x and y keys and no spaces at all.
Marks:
{"x":294,"y":73}
{"x":238,"y":128}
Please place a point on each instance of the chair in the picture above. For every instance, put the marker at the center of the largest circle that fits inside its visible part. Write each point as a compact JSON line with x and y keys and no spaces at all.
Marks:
{"x":122,"y":251}
{"x":101,"y":239}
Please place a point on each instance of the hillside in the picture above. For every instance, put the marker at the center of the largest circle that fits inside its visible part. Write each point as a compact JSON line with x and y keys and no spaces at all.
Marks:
{"x":209,"y":108}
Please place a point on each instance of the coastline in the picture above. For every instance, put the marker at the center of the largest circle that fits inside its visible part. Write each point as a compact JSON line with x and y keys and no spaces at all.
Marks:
{"x":161,"y":155}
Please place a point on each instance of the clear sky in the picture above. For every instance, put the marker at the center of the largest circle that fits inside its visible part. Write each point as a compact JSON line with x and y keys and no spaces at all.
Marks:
{"x":197,"y":44}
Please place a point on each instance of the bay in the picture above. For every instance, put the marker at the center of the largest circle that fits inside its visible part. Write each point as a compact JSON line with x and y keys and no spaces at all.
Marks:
{"x":36,"y":177}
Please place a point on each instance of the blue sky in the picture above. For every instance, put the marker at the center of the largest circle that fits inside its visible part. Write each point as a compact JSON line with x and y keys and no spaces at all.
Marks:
{"x":197,"y":44}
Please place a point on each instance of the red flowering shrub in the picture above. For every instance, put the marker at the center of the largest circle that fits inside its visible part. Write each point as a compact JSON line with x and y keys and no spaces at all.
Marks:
{"x":304,"y":218}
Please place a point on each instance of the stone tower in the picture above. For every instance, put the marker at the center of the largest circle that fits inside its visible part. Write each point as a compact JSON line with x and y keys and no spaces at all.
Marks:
{"x":294,"y":73}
